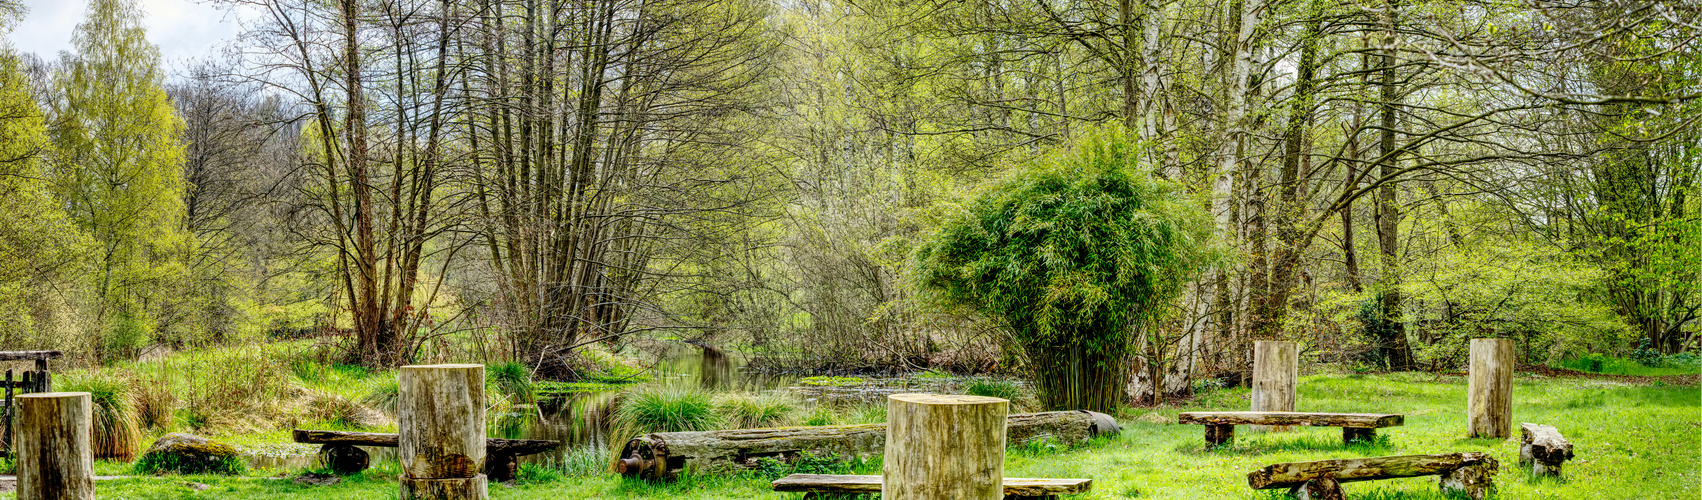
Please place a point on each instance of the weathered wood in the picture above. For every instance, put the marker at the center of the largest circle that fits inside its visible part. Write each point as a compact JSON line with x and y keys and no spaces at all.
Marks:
{"x":459,"y":488}
{"x":1323,"y":488}
{"x":344,"y":459}
{"x":1489,"y":404}
{"x":941,"y":447}
{"x":55,"y":455}
{"x":1543,"y":449}
{"x":1013,"y":486}
{"x":1475,"y":481}
{"x":1351,"y":435}
{"x":1275,"y":368}
{"x":1289,"y":475}
{"x":30,"y":355}
{"x":385,"y":440}
{"x":664,"y":454}
{"x":441,"y":421}
{"x":1364,"y":420}
{"x":1217,"y":435}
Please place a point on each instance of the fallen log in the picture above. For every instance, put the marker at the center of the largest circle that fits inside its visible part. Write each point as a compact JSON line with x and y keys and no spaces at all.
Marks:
{"x":501,"y":455}
{"x":663,"y":455}
{"x":1363,"y":469}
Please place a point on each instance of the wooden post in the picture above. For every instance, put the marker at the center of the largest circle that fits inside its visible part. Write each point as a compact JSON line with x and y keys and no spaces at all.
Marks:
{"x":942,"y":447}
{"x":1489,"y":404}
{"x":55,"y":457}
{"x":440,"y":420}
{"x":1276,"y":365}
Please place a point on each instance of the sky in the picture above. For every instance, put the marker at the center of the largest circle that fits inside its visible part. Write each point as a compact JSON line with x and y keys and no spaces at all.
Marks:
{"x":183,"y":29}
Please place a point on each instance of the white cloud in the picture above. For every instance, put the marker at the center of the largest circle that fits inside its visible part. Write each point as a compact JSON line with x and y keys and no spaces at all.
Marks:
{"x":183,"y":29}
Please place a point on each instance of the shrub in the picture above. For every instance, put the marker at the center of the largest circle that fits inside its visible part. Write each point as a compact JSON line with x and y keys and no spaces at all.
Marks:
{"x":115,"y":434}
{"x":1074,"y":256}
{"x":656,"y":409}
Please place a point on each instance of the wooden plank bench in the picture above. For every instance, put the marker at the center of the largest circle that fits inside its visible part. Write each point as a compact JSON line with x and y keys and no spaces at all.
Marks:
{"x":1470,"y":473}
{"x":1015,"y":487}
{"x":1220,"y":425}
{"x":340,"y":452}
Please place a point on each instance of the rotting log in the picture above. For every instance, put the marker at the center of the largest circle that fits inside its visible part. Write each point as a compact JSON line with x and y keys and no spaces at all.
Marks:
{"x":55,"y":458}
{"x":501,"y":455}
{"x":1475,"y":481}
{"x":1543,"y":449}
{"x":1275,"y":370}
{"x":1289,"y":475}
{"x":944,"y":447}
{"x":664,"y":454}
{"x":441,"y":432}
{"x":1489,"y":400}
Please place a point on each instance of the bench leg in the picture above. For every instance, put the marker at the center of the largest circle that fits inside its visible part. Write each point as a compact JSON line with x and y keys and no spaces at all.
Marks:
{"x":1323,"y":488}
{"x":1351,"y":435}
{"x":344,"y":460}
{"x":1474,"y":481}
{"x":1219,"y":435}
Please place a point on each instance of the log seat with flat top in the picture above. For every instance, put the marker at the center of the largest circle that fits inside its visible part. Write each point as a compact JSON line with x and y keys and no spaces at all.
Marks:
{"x":1015,"y":487}
{"x":501,"y":461}
{"x":1220,"y":425}
{"x":1470,"y":473}
{"x":1543,"y":449}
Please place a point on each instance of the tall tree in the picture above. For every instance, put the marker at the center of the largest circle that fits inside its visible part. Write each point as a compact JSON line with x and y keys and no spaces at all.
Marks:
{"x":119,"y":168}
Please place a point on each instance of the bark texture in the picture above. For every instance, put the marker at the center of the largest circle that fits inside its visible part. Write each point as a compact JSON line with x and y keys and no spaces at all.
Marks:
{"x":441,"y":431}
{"x":1489,"y":406}
{"x":1543,"y":449}
{"x":55,"y":456}
{"x":665,"y":454}
{"x":1276,"y":365}
{"x":460,"y":488}
{"x":941,"y":447}
{"x":1322,"y":488}
{"x":1294,"y":474}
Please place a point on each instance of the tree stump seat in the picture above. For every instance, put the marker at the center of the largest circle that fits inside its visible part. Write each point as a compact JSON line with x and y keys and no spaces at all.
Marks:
{"x":1220,"y":425}
{"x":1015,"y":487}
{"x":1470,"y":474}
{"x":1543,"y":449}
{"x":340,"y":453}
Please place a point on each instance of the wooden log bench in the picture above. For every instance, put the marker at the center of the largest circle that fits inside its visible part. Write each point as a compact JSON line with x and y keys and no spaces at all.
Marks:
{"x":1220,"y":425}
{"x":1471,"y":474}
{"x":1015,"y":488}
{"x":1543,"y":449}
{"x":341,"y":455}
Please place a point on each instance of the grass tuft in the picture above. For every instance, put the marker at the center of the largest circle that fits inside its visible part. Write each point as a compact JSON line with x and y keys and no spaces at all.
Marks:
{"x":114,"y":429}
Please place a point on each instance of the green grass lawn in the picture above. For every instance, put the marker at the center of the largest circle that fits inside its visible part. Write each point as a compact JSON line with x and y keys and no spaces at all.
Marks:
{"x":1637,"y":441}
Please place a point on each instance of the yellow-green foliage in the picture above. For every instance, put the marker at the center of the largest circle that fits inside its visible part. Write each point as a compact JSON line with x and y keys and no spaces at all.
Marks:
{"x":120,"y":172}
{"x":40,"y":250}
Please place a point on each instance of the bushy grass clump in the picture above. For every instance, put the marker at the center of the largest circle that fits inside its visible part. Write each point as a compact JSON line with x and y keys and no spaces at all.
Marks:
{"x":115,"y":432}
{"x":745,"y":411}
{"x":662,"y":409}
{"x":993,"y":388}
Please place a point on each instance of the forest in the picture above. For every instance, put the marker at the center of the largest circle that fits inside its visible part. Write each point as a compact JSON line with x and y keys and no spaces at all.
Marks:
{"x":1072,"y":204}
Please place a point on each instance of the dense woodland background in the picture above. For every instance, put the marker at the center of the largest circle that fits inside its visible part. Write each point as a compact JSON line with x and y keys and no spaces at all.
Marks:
{"x":537,"y":180}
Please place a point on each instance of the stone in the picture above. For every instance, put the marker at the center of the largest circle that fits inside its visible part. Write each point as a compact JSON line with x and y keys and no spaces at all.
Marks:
{"x":190,"y":454}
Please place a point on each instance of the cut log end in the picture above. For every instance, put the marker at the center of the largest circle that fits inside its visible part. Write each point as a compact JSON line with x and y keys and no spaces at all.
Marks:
{"x":1322,"y":488}
{"x":1475,"y":481}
